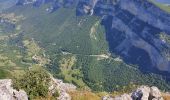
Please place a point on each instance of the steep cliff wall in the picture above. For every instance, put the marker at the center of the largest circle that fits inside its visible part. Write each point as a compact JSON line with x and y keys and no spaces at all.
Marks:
{"x":133,"y":29}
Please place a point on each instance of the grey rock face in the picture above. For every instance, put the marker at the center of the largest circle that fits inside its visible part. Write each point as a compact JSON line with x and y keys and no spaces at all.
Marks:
{"x":8,"y":93}
{"x":147,"y":93}
{"x":107,"y":98}
{"x":154,"y":91}
{"x":142,"y":93}
{"x":123,"y":97}
{"x":62,"y":88}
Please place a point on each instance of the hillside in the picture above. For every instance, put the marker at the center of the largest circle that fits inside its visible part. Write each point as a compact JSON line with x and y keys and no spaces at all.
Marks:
{"x":98,"y":46}
{"x":64,"y":32}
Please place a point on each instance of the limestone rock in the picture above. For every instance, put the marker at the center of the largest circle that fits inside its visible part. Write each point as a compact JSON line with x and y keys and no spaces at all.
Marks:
{"x":8,"y":93}
{"x":107,"y":98}
{"x":123,"y":97}
{"x":141,"y":93}
{"x":62,"y":88}
{"x":155,"y":92}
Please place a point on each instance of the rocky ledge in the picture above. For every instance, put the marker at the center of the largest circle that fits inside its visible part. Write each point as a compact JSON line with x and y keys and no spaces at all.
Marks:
{"x":142,"y":93}
{"x":8,"y":93}
{"x":63,"y":88}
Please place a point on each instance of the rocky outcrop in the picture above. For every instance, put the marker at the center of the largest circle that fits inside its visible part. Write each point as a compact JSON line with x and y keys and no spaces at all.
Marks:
{"x":62,"y":88}
{"x":123,"y":97}
{"x":142,"y":93}
{"x":8,"y":93}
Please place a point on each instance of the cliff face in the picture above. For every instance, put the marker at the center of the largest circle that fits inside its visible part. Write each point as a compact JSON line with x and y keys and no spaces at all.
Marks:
{"x":135,"y":29}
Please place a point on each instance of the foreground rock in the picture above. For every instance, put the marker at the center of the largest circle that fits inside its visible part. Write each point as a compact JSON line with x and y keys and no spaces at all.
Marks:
{"x":142,"y":93}
{"x":62,"y":88}
{"x":8,"y":93}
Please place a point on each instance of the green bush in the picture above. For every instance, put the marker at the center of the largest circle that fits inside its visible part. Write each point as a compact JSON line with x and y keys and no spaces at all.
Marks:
{"x":56,"y":94}
{"x":35,"y":82}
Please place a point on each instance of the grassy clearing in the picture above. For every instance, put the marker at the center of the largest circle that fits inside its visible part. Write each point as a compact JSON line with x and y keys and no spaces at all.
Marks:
{"x":70,"y":74}
{"x":162,"y":6}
